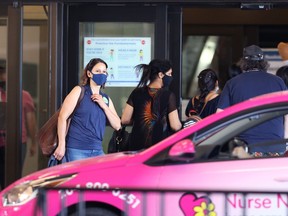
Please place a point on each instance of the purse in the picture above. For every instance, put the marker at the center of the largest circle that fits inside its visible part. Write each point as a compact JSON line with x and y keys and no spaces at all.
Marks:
{"x":54,"y":162}
{"x":194,"y":116}
{"x":47,"y":135}
{"x":119,"y":141}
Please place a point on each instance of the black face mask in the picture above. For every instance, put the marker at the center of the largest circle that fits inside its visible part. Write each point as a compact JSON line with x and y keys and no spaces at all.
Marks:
{"x":3,"y":84}
{"x":167,"y":81}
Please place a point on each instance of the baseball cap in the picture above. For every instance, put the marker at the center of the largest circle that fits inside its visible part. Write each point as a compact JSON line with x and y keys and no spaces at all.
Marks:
{"x":253,"y":52}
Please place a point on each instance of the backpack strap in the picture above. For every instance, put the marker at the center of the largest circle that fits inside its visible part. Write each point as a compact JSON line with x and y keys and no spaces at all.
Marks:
{"x":193,"y":99}
{"x":79,"y":100}
{"x":212,"y":96}
{"x":193,"y":102}
{"x":80,"y":96}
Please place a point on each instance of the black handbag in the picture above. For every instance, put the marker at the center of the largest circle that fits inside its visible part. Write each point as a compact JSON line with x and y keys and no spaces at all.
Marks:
{"x":119,"y":141}
{"x":54,"y":162}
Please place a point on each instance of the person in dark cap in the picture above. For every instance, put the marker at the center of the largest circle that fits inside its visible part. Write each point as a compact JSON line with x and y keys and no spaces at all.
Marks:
{"x":255,"y":81}
{"x":253,"y":53}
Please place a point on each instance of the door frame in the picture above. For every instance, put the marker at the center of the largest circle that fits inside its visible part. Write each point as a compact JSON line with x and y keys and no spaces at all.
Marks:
{"x":168,"y":35}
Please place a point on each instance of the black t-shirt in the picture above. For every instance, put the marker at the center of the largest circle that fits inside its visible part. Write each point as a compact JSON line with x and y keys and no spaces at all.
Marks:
{"x":150,"y":116}
{"x":209,"y":108}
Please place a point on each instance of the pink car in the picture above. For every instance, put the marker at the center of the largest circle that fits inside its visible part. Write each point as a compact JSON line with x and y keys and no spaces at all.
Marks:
{"x":193,"y":172}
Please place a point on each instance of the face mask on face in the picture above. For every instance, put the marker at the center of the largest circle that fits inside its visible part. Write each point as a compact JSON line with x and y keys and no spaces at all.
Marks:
{"x":99,"y":79}
{"x":167,"y":81}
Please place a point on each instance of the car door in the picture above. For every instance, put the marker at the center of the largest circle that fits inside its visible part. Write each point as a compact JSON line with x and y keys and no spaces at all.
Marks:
{"x":218,"y":183}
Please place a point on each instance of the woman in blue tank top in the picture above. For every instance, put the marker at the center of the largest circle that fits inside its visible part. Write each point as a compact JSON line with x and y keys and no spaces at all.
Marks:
{"x":87,"y":126}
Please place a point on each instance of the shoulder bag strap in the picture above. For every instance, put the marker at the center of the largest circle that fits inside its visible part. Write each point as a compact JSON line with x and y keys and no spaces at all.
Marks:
{"x":193,"y":103}
{"x":203,"y":108}
{"x":193,"y":98}
{"x":79,"y":100}
{"x":206,"y":101}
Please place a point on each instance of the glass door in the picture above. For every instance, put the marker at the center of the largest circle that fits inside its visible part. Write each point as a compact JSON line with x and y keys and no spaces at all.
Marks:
{"x":123,"y":36}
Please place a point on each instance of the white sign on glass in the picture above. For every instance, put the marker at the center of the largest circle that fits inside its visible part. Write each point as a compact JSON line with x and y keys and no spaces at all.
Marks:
{"x":121,"y":54}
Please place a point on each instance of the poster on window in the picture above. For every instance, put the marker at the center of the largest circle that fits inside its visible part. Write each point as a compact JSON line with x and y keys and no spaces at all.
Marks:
{"x":121,"y":54}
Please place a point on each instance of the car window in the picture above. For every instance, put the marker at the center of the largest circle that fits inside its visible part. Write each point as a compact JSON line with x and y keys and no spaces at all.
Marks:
{"x":212,"y":143}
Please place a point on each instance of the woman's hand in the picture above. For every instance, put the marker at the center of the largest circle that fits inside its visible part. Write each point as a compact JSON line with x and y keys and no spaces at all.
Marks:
{"x":97,"y":98}
{"x":240,"y":152}
{"x":59,"y":152}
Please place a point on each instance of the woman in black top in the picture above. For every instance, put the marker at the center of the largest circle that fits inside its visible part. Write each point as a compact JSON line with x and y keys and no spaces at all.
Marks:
{"x":151,"y":107}
{"x":205,"y":103}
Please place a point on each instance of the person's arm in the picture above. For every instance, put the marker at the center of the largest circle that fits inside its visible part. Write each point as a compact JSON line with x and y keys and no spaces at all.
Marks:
{"x":188,"y":107}
{"x":112,"y":116}
{"x":174,"y":120}
{"x":126,"y":118}
{"x":67,"y":109}
{"x":110,"y":111}
{"x":172,"y":111}
{"x":31,"y":128}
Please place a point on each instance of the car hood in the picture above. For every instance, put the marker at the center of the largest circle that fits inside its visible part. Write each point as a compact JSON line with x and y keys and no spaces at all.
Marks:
{"x":85,"y":165}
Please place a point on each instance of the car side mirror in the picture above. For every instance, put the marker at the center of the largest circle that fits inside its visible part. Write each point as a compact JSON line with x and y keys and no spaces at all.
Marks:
{"x":182,"y":150}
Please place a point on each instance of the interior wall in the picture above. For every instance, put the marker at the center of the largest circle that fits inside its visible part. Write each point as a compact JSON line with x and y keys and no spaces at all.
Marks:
{"x":240,"y":28}
{"x":235,"y":16}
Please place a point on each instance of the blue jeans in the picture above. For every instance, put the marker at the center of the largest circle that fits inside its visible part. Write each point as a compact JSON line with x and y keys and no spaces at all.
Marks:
{"x":73,"y":154}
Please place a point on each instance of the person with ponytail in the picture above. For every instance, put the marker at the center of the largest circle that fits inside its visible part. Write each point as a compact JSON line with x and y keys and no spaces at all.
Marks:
{"x":205,"y":103}
{"x":151,"y":107}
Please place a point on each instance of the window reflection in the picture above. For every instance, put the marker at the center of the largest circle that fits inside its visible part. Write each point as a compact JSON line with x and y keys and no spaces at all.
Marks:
{"x":34,"y":75}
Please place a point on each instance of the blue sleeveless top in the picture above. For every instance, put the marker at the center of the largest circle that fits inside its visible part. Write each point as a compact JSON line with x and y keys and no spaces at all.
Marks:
{"x":88,"y":123}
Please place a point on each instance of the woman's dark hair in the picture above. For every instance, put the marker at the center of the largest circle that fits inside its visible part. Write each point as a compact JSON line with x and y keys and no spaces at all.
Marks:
{"x":282,"y":72}
{"x":84,"y":78}
{"x":248,"y":64}
{"x":234,"y":70}
{"x":150,"y":72}
{"x":206,"y":82}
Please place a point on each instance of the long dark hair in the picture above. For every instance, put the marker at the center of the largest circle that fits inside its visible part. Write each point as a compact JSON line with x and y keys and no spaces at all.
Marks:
{"x":206,"y":82}
{"x":248,"y":64}
{"x":84,"y":78}
{"x":150,"y":72}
